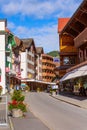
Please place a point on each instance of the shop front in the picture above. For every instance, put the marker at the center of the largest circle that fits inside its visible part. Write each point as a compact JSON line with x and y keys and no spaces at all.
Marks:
{"x":75,"y":80}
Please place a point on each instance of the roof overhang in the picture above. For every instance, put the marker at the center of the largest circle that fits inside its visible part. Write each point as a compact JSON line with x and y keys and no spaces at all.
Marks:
{"x":78,"y":21}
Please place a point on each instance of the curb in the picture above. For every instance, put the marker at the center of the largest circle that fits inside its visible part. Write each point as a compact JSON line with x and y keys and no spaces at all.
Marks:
{"x":67,"y":102}
{"x":10,"y":123}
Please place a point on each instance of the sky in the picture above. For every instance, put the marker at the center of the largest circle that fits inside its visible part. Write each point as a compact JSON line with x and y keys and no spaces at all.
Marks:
{"x":37,"y":19}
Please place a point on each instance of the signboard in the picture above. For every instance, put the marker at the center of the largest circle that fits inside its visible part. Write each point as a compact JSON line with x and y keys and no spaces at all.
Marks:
{"x":55,"y":87}
{"x":7,"y":69}
{"x":56,"y":59}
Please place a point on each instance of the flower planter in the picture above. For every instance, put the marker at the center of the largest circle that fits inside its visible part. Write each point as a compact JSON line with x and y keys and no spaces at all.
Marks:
{"x":17,"y":113}
{"x":53,"y":93}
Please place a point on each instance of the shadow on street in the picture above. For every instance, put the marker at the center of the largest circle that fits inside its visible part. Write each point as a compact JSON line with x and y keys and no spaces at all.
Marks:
{"x":71,"y":95}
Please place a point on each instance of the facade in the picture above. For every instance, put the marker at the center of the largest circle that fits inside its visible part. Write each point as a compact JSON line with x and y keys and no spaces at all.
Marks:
{"x":21,"y":62}
{"x":68,"y":52}
{"x":56,"y":61}
{"x":77,"y":29}
{"x":12,"y":61}
{"x":28,"y":59}
{"x":39,"y":52}
{"x":47,"y":68}
{"x":2,"y":54}
{"x":16,"y":60}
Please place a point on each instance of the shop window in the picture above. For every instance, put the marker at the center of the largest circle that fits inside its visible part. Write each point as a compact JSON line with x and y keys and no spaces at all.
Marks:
{"x":72,"y":60}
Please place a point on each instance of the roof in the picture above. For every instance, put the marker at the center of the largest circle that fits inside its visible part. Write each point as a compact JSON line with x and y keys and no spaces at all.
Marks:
{"x":61,"y":23}
{"x":62,"y":67}
{"x":28,"y":42}
{"x":45,"y":55}
{"x":7,"y":30}
{"x":17,"y":40}
{"x":39,"y":50}
{"x":78,"y":21}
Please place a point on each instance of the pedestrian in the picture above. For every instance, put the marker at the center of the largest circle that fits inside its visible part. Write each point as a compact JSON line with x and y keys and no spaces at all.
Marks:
{"x":56,"y":91}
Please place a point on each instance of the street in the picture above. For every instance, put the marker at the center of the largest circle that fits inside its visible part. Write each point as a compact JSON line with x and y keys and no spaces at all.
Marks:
{"x":55,"y":114}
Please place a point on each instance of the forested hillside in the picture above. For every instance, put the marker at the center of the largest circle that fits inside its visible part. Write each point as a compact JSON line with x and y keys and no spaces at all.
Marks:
{"x":54,"y":53}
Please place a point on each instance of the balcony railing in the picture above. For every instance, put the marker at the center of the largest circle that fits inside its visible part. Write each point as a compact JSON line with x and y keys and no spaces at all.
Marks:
{"x":81,"y":38}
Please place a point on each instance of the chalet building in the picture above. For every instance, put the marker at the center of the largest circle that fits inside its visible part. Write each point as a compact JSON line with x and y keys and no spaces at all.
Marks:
{"x":32,"y":66}
{"x":13,"y":61}
{"x":39,"y":51}
{"x":16,"y":61}
{"x":28,"y":59}
{"x":47,"y":68}
{"x":68,"y":52}
{"x":75,"y":31}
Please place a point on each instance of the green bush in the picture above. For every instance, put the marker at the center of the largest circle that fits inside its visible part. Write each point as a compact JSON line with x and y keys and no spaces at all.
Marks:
{"x":17,"y":95}
{"x":17,"y":101}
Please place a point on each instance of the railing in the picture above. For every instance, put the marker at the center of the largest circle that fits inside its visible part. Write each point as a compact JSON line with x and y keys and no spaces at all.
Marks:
{"x":3,"y":110}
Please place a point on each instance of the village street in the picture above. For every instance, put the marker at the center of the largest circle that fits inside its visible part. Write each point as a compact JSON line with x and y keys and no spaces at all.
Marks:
{"x":55,"y":114}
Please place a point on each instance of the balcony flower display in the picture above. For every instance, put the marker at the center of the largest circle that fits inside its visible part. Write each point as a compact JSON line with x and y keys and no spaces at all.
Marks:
{"x":17,"y":106}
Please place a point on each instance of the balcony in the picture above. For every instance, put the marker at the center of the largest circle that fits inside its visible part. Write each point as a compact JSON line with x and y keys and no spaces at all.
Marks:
{"x":48,"y":74}
{"x":81,"y":38}
{"x":47,"y":61}
{"x":47,"y":67}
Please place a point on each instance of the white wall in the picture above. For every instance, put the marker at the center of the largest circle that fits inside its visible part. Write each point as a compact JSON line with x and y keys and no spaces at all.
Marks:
{"x":23,"y":65}
{"x":2,"y":25}
{"x":2,"y":62}
{"x":2,"y":55}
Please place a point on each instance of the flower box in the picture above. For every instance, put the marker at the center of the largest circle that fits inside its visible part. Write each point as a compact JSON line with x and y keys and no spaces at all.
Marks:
{"x":17,"y":113}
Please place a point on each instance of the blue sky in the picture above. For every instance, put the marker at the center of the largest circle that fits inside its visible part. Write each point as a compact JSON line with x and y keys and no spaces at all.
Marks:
{"x":37,"y":19}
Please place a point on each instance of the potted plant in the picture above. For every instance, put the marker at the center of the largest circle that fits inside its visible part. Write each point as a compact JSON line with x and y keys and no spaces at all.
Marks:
{"x":27,"y":88}
{"x":38,"y":89}
{"x":17,"y":107}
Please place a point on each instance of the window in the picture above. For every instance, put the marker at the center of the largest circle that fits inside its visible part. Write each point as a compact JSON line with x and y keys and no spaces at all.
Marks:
{"x":66,"y":60}
{"x":69,"y":60}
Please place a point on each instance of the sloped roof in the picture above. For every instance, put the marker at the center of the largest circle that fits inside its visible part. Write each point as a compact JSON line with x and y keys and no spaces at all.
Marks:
{"x":39,"y":50}
{"x":17,"y":40}
{"x":7,"y":30}
{"x":78,"y":21}
{"x":61,"y":23}
{"x":62,"y":67}
{"x":28,"y":42}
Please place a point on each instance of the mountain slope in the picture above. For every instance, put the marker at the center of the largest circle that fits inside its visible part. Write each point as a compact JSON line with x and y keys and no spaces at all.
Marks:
{"x":53,"y":53}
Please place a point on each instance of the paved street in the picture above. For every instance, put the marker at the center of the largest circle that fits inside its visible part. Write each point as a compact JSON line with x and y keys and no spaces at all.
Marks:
{"x":56,"y":114}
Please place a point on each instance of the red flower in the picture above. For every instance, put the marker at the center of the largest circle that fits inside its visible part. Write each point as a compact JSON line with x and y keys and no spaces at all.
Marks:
{"x":14,"y":102}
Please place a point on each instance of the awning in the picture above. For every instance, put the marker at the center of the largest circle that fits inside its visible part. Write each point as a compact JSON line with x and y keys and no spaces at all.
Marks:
{"x":38,"y":81}
{"x":79,"y":72}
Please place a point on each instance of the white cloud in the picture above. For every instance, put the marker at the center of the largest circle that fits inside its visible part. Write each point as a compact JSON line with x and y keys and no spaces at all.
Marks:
{"x":47,"y":36}
{"x":40,"y":9}
{"x":11,"y":25}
